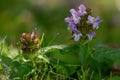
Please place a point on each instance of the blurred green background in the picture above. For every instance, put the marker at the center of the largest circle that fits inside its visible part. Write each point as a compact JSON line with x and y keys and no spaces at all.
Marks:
{"x":47,"y":16}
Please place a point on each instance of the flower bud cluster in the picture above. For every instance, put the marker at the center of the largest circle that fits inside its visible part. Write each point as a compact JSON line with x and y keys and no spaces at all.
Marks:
{"x":82,"y":24}
{"x":30,"y":42}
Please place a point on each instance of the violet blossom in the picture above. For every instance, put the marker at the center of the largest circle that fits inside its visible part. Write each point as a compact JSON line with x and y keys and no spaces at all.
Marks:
{"x":94,"y":21}
{"x":91,"y":35}
{"x":82,"y":10}
{"x":75,"y":16}
{"x":79,"y":23}
{"x":73,"y":27}
{"x":77,"y":36}
{"x":68,"y":19}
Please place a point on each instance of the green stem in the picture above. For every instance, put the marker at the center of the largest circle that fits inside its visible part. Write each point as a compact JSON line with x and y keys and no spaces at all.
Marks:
{"x":34,"y":68}
{"x":83,"y":53}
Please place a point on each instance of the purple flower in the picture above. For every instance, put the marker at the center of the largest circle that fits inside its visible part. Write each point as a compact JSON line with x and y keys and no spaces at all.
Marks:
{"x":68,"y":19}
{"x":94,"y":21}
{"x":82,"y":10}
{"x":82,"y":29}
{"x":91,"y":35}
{"x":75,"y":16}
{"x":73,"y":27}
{"x":90,"y":19}
{"x":77,"y":36}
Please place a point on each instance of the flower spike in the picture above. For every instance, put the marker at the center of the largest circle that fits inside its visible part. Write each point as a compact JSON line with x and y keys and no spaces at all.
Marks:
{"x":82,"y":24}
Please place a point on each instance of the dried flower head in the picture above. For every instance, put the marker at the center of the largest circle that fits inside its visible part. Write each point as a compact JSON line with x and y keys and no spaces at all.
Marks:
{"x":82,"y":24}
{"x":30,"y":42}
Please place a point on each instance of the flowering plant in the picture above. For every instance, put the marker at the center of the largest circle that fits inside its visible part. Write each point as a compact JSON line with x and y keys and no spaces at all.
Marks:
{"x":37,"y":61}
{"x":82,"y":24}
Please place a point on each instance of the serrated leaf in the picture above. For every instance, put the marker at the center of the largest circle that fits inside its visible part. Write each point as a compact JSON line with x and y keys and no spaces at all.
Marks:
{"x":102,"y":53}
{"x":102,"y":59}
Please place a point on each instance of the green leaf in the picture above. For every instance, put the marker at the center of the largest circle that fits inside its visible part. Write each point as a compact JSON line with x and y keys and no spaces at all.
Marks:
{"x":103,"y":58}
{"x":70,"y":49}
{"x":6,"y":60}
{"x":64,"y":58}
{"x":115,"y":78}
{"x":52,"y":48}
{"x":42,"y":38}
{"x":102,"y":53}
{"x":19,"y":70}
{"x":65,"y":53}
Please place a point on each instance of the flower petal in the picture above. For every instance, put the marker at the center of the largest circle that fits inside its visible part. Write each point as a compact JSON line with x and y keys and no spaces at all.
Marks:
{"x":90,"y":19}
{"x":82,"y":10}
{"x":73,"y":12}
{"x":95,"y":25}
{"x":68,"y":19}
{"x":73,"y":27}
{"x":98,"y":20}
{"x":77,"y":36}
{"x":91,"y":35}
{"x":75,"y":16}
